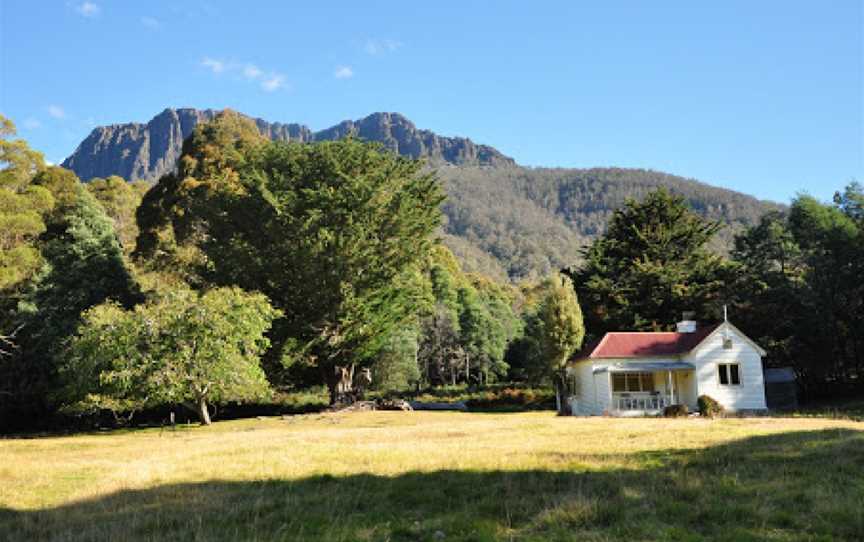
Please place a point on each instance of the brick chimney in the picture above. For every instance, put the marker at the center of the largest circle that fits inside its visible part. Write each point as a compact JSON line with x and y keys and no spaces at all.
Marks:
{"x":687,"y":323}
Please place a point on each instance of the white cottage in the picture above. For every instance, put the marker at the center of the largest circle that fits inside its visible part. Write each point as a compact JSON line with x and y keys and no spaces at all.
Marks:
{"x":638,"y":373}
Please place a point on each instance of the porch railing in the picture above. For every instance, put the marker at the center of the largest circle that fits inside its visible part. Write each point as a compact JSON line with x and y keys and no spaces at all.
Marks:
{"x":640,"y":402}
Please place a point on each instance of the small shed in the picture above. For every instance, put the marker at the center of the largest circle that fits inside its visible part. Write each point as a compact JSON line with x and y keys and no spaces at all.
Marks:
{"x":781,"y":388}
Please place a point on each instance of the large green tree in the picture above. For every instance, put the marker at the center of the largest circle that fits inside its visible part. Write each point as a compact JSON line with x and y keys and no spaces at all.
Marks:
{"x":554,"y":331}
{"x":799,"y":290}
{"x":18,"y":162}
{"x":332,"y":233}
{"x":770,"y":273}
{"x":183,"y":347}
{"x":23,"y":208}
{"x":487,"y":324}
{"x":22,"y":215}
{"x":651,"y":265}
{"x":396,"y":366}
{"x":83,"y":266}
{"x":464,"y":336}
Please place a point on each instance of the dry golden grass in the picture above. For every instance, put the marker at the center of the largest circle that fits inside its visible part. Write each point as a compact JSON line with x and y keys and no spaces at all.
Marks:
{"x":415,"y":476}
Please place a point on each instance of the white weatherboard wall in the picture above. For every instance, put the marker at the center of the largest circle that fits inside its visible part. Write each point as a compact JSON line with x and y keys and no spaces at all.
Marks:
{"x":750,"y":395}
{"x":582,"y":382}
{"x":603,"y":388}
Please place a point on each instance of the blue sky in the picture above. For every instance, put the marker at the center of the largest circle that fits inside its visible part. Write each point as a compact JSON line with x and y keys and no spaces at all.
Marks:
{"x":763,"y":97}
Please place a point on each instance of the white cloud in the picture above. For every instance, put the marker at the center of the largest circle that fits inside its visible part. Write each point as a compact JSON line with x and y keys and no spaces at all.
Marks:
{"x":269,"y":81}
{"x":90,"y":121}
{"x":151,"y":22}
{"x":56,"y":111}
{"x":273,"y":82}
{"x":31,"y":123}
{"x":377,"y":47}
{"x":251,"y":71}
{"x":343,"y":72}
{"x":88,"y":9}
{"x":216,"y":66}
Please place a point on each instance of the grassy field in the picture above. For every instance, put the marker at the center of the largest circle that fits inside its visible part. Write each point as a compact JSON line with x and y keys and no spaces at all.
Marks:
{"x":442,"y":476}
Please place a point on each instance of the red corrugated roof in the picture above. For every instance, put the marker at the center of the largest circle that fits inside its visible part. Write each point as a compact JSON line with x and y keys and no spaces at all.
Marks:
{"x":637,"y":344}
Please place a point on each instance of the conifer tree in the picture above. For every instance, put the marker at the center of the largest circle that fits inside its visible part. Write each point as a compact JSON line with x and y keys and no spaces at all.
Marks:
{"x":651,"y":265}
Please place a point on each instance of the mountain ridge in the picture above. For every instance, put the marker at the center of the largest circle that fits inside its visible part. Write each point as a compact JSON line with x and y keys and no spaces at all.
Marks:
{"x":146,"y":151}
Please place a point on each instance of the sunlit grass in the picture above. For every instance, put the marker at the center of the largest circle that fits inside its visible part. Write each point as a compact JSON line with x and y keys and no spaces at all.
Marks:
{"x":466,"y":476}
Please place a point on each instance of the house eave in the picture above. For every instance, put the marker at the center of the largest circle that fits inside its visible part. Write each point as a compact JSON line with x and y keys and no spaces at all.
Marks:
{"x":647,"y":367}
{"x":627,"y":358}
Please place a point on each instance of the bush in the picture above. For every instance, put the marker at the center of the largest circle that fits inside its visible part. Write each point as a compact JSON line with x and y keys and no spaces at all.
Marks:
{"x":709,"y":407}
{"x":675,"y":411}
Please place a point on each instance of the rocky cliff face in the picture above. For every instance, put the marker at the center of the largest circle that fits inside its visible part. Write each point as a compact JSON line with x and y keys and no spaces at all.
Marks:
{"x":399,"y":134}
{"x":148,"y":151}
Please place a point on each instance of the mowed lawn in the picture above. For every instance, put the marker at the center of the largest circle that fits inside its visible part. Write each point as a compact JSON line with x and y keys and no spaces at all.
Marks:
{"x":442,"y":476}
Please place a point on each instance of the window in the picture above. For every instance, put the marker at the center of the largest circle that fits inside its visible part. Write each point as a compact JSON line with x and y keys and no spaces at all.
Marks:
{"x":730,"y":374}
{"x":573,"y":383}
{"x":627,"y":382}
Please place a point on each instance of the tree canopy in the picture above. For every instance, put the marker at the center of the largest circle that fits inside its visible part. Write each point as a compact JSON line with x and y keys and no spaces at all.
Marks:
{"x":554,"y":330}
{"x":183,"y":347}
{"x":120,"y":199}
{"x":18,"y":162}
{"x":330,"y":232}
{"x":650,"y":266}
{"x":800,"y":291}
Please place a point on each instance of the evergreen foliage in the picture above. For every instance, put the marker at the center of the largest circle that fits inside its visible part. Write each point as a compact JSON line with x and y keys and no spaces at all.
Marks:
{"x":465,"y":336}
{"x":395,"y":367}
{"x":553,"y":332}
{"x":331,"y":232}
{"x":23,"y":208}
{"x":800,"y":290}
{"x":650,"y":266}
{"x":120,"y":201}
{"x":183,"y":348}
{"x":524,"y":223}
{"x":18,"y":162}
{"x":83,"y":267}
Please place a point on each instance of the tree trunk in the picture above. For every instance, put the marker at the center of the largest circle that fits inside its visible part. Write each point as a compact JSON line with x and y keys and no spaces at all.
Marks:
{"x":203,"y":412}
{"x":200,"y":409}
{"x":340,"y":384}
{"x":561,"y":395}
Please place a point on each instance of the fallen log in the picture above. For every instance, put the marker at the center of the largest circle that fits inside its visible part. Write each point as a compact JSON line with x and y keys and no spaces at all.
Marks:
{"x":458,"y":406}
{"x":394,"y":404}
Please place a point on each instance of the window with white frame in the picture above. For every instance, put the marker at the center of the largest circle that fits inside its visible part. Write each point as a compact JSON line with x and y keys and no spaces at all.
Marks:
{"x":729,"y":374}
{"x":630,"y":382}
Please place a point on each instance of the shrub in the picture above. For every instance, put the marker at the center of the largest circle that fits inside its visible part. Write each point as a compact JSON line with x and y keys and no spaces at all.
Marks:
{"x":708,"y":406}
{"x":675,"y":411}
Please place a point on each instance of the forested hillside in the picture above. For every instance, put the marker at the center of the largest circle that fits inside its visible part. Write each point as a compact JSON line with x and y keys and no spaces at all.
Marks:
{"x":525,"y":222}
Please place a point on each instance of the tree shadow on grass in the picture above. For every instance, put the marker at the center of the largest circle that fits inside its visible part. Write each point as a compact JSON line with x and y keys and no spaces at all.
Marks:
{"x":790,"y":486}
